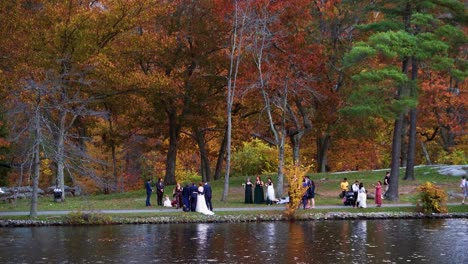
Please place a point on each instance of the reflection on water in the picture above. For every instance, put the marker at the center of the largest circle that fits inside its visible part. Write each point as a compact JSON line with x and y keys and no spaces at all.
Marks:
{"x":371,"y":241}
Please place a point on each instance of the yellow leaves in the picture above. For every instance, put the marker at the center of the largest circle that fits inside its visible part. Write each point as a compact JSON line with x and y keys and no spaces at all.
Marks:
{"x":432,"y":198}
{"x":294,"y":175}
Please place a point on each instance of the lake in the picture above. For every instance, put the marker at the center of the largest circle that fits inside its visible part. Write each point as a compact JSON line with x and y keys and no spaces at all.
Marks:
{"x":347,"y":241}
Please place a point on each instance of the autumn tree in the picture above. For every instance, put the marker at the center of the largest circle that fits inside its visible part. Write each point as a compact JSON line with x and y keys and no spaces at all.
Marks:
{"x":405,"y":36}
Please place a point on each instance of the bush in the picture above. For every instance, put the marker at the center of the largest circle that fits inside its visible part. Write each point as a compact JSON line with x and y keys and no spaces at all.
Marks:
{"x":454,"y":158}
{"x":432,"y":199}
{"x":185,"y":176}
{"x":85,"y":218}
{"x":255,"y":157}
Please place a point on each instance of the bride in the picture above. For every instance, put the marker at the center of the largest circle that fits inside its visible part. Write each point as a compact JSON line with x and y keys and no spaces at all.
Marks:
{"x":201,"y":203}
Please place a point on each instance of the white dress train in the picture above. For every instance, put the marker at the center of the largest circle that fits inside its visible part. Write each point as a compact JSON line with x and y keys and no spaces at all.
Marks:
{"x":201,"y":203}
{"x":271,"y":193}
{"x":362,"y":198}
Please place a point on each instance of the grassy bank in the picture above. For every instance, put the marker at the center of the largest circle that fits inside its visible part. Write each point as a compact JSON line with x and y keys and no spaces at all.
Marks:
{"x":327,"y":191}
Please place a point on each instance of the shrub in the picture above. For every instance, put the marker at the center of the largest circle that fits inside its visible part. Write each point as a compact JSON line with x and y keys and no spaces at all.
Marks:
{"x":184,"y":176}
{"x":254,"y":157}
{"x":87,"y":218}
{"x":294,"y":174}
{"x":432,"y":199}
{"x":454,"y":158}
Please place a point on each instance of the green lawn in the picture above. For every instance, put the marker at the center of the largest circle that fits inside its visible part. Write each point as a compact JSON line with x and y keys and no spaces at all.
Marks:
{"x":327,"y":190}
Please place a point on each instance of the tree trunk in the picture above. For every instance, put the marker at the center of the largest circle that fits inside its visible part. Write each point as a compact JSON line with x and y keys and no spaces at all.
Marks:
{"x":392,"y":193}
{"x":404,"y":145}
{"x":219,"y":162}
{"x":228,"y":152}
{"x":409,"y":173}
{"x":171,"y":158}
{"x":37,"y":162}
{"x":114,"y":157}
{"x":296,"y":146}
{"x":426,"y":154}
{"x":60,"y":159}
{"x":323,"y":143}
{"x":204,"y":160}
{"x":280,"y":182}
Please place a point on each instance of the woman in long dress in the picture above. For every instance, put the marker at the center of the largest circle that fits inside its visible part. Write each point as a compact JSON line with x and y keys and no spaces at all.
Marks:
{"x":248,"y":191}
{"x":177,"y":193}
{"x":201,"y":203}
{"x":259,"y":197}
{"x":362,"y":196}
{"x":378,"y":194}
{"x":270,"y":192}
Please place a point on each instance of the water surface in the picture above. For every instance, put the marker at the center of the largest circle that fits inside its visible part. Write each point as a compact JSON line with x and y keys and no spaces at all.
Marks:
{"x":356,"y":241}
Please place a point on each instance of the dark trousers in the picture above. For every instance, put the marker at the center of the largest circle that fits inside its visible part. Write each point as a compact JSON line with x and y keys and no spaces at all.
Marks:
{"x":160,"y":197}
{"x":355,"y":199}
{"x":148,"y":196}
{"x":208,"y":203}
{"x":193,"y":203}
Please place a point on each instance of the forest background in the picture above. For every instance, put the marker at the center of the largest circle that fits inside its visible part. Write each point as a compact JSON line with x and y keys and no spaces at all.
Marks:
{"x":105,"y":94}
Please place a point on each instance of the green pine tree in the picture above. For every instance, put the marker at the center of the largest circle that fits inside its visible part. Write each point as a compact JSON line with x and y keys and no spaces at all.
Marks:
{"x":412,"y":35}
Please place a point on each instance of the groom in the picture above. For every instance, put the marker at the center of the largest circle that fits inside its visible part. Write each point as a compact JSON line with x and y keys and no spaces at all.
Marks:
{"x":193,"y":197}
{"x":207,"y":188}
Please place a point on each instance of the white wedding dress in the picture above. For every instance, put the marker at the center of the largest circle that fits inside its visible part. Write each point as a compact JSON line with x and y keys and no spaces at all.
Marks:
{"x":362,"y":198}
{"x":201,"y":203}
{"x":271,"y":193}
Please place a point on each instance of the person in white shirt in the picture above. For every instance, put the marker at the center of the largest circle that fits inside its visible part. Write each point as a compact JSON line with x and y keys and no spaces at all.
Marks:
{"x":355,"y":188}
{"x":464,"y":187}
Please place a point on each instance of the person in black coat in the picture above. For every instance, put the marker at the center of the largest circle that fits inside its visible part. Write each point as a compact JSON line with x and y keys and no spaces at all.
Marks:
{"x":160,"y":191}
{"x":186,"y":197}
{"x":208,"y":193}
{"x":149,"y":190}
{"x":193,"y":197}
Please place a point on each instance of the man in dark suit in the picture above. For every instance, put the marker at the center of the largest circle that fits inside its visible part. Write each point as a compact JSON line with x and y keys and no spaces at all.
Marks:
{"x":149,"y":190}
{"x":208,"y":192}
{"x":193,"y":197}
{"x":160,"y":191}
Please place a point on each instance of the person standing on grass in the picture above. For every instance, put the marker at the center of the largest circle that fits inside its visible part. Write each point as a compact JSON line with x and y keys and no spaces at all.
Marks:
{"x":386,"y":182}
{"x":378,"y":194}
{"x":248,"y":191}
{"x":208,"y":195}
{"x":355,"y":188}
{"x":160,"y":191}
{"x":464,"y":187}
{"x":259,"y":197}
{"x":344,"y":186}
{"x":362,"y":196}
{"x":149,"y":190}
{"x":311,"y":194}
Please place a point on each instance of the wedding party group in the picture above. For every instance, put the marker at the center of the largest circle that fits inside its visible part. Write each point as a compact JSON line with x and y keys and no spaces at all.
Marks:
{"x":190,"y":198}
{"x":257,"y":195}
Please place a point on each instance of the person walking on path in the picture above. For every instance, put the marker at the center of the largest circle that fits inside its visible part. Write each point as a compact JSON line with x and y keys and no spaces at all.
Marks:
{"x":160,"y":191}
{"x":149,"y":190}
{"x":208,"y":194}
{"x":386,"y":182}
{"x":378,"y":194}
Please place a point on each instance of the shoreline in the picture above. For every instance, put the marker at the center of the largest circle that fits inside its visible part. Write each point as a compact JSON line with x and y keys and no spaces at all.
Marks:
{"x":198,"y":219}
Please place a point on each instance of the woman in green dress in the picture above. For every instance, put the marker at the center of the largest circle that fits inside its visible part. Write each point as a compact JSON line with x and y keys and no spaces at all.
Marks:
{"x":259,"y":196}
